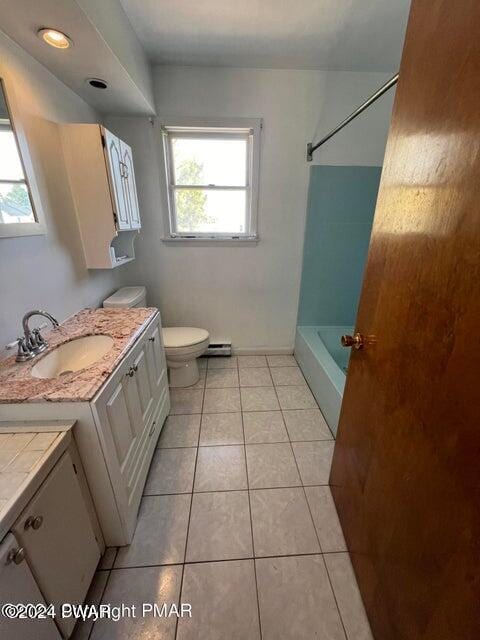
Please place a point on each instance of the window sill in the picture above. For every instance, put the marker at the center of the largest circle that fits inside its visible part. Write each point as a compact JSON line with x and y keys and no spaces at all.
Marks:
{"x":220,"y":240}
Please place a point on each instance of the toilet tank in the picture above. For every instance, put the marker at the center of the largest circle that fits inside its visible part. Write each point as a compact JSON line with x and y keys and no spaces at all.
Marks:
{"x":127,"y":297}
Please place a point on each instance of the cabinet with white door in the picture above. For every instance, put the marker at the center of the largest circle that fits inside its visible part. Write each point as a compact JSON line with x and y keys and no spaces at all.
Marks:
{"x":59,"y":542}
{"x":102,"y":180}
{"x":50,"y":547}
{"x":129,"y":413}
{"x":18,"y":586}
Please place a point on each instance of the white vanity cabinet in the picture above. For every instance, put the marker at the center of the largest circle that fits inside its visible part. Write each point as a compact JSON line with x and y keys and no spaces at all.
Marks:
{"x":102,"y":181}
{"x":59,"y":542}
{"x":116,"y":431}
{"x":129,"y":413}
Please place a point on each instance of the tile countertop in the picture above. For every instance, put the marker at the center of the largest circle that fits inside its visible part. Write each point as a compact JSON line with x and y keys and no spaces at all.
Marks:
{"x":28,"y":452}
{"x":123,"y":325}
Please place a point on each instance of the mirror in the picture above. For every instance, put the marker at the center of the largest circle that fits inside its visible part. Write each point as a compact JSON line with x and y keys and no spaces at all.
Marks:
{"x":18,"y":215}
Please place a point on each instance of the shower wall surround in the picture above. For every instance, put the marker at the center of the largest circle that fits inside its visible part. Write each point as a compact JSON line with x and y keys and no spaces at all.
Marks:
{"x":341,"y":205}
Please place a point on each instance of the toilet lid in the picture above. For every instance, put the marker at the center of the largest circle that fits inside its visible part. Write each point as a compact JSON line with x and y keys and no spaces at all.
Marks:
{"x":183,"y":336}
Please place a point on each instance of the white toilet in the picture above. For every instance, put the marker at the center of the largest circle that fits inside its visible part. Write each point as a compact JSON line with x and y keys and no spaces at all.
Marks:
{"x":127,"y":297}
{"x":183,"y":345}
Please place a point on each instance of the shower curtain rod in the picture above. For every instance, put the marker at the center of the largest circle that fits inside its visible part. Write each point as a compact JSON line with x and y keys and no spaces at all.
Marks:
{"x":311,"y":148}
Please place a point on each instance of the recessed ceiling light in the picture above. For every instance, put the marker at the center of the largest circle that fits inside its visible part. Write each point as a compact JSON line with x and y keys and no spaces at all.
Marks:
{"x":97,"y":83}
{"x":54,"y":38}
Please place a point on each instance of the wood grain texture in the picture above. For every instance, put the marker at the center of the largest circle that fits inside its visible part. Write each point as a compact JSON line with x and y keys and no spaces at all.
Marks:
{"x":405,"y":474}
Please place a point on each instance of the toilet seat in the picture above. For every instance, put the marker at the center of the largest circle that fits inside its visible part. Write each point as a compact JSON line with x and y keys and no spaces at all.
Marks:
{"x":183,"y":337}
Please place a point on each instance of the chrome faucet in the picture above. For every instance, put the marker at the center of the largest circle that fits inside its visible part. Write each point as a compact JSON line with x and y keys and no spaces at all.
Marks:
{"x":32,"y":342}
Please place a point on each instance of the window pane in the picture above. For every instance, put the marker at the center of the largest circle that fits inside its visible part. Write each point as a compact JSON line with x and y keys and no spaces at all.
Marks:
{"x":15,"y":203}
{"x":10,"y":165}
{"x":207,"y":161}
{"x":210,"y":211}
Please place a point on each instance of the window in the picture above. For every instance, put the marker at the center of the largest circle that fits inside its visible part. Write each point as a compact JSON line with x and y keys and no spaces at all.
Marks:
{"x":20,"y":205}
{"x":15,"y":204}
{"x":212,"y":175}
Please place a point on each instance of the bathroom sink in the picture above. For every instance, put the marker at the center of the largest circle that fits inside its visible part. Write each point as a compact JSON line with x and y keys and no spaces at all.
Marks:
{"x":72,"y":356}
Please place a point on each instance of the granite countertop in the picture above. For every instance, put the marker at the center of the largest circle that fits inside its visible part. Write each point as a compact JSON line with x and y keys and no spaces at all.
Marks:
{"x":28,"y":452}
{"x":123,"y":325}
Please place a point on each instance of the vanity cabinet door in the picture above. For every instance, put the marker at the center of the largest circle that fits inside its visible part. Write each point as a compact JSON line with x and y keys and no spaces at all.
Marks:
{"x":130,"y":186}
{"x":156,"y":362}
{"x":62,"y":551}
{"x":18,"y":586}
{"x":113,"y":157}
{"x":120,"y":423}
{"x":129,"y":414}
{"x":145,"y":388}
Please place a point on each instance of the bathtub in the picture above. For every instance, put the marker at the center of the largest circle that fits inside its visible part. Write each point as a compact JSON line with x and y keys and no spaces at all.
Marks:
{"x":324,"y":364}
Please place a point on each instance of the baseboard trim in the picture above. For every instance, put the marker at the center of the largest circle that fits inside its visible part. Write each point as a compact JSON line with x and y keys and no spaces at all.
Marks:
{"x":261,"y":351}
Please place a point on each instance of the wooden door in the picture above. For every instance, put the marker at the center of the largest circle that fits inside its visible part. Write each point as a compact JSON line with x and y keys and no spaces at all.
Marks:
{"x":405,"y":474}
{"x":113,"y":155}
{"x":130,"y":186}
{"x":63,"y":552}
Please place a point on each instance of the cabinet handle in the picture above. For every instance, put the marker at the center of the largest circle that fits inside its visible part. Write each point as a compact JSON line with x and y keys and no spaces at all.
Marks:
{"x":131,"y":372}
{"x":16,"y":555}
{"x":152,"y":429}
{"x":34,"y":522}
{"x":152,"y":339}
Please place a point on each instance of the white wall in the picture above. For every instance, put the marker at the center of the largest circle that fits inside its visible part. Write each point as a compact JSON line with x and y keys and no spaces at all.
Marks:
{"x":46,"y":271}
{"x":249,"y":293}
{"x":111,"y":21}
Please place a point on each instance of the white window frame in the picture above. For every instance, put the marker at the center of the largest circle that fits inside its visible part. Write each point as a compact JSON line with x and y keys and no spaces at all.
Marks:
{"x":18,"y":229}
{"x":220,"y":128}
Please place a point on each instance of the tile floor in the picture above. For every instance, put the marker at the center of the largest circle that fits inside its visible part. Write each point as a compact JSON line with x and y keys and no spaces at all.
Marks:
{"x":237,"y":518}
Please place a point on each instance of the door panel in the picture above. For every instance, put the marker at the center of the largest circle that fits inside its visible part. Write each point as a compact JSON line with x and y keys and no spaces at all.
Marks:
{"x":156,"y":363}
{"x":130,"y":186}
{"x":115,"y":175}
{"x":405,"y":468}
{"x":18,"y":586}
{"x":144,"y":389}
{"x":63,"y":552}
{"x":123,"y":430}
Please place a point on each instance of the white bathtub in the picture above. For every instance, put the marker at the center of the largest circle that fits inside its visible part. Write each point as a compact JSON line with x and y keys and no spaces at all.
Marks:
{"x":324,"y":364}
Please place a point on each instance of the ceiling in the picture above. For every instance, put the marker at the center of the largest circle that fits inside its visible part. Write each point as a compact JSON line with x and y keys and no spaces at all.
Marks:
{"x":355,"y":35}
{"x":92,"y":54}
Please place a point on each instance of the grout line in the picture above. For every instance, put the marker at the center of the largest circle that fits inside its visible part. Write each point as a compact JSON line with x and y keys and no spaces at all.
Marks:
{"x":335,"y":598}
{"x":189,"y":515}
{"x":236,"y":559}
{"x":186,"y":493}
{"x":315,"y":529}
{"x":237,"y":444}
{"x":251,"y":524}
{"x":320,"y":547}
{"x":318,"y":406}
{"x":101,"y":596}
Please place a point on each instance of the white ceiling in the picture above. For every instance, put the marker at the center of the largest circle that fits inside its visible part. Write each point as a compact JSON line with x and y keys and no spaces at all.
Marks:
{"x":356,"y":35}
{"x":91,"y":55}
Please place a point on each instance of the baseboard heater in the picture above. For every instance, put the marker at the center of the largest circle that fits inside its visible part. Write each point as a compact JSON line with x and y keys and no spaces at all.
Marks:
{"x":219,"y":349}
